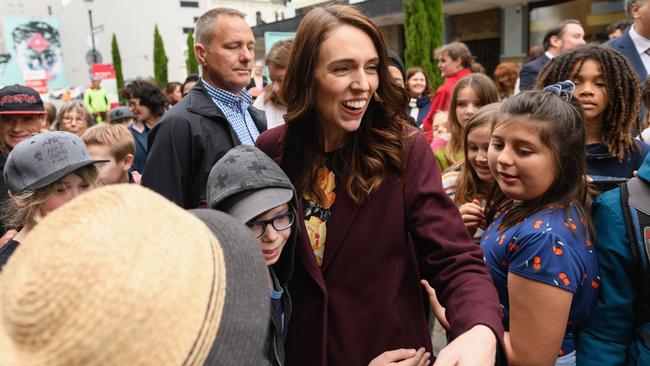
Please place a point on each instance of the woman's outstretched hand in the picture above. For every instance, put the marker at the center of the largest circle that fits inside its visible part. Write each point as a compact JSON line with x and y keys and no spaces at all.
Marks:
{"x":476,"y":347}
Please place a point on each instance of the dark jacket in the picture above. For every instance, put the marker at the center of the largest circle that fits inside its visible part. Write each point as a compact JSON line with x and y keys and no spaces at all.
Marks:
{"x":243,"y":171}
{"x":625,"y":46}
{"x":423,"y":103}
{"x":4,"y":190}
{"x":189,"y":139}
{"x":251,"y":84}
{"x":600,"y":163}
{"x":530,"y":71}
{"x":366,"y":297}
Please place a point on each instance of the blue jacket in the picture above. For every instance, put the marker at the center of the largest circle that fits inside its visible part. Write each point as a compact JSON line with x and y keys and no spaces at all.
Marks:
{"x":608,"y":338}
{"x":625,"y":46}
{"x":600,"y":163}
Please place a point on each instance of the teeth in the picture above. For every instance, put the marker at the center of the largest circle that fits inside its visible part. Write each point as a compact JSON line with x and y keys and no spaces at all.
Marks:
{"x":356,"y":105}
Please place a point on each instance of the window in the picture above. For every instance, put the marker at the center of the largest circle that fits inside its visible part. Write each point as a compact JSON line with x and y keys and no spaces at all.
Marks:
{"x":189,"y":4}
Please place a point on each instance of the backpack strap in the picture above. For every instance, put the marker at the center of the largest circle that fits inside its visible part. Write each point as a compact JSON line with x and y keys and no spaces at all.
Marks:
{"x":635,"y":200}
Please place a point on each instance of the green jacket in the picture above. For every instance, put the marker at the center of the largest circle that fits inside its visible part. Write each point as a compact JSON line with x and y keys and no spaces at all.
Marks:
{"x":442,"y":160}
{"x":96,"y":100}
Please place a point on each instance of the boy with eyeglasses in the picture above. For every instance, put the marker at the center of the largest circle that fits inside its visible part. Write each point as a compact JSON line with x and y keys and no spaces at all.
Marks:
{"x":250,"y":186}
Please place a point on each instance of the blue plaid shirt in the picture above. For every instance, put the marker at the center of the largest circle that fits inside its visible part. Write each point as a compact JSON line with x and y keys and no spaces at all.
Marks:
{"x":235,"y":108}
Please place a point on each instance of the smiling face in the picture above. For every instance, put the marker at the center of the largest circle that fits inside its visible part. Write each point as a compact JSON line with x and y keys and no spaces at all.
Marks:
{"x":449,"y":67}
{"x":417,"y":84}
{"x":467,"y":104}
{"x":228,"y":59}
{"x":346,"y":78}
{"x":521,"y":164}
{"x":478,"y":141}
{"x":16,"y":127}
{"x":273,"y":241}
{"x":591,"y":90}
{"x":142,"y":112}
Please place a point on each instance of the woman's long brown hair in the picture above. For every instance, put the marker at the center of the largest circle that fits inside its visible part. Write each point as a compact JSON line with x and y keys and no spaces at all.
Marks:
{"x":369,"y":154}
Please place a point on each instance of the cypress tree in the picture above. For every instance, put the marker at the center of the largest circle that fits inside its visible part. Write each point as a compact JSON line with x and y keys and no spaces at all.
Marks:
{"x":117,"y":64}
{"x":159,"y":59}
{"x":423,"y":32}
{"x":191,"y":63}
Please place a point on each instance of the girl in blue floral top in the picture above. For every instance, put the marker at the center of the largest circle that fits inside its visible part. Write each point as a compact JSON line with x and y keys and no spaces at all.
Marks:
{"x":538,"y":246}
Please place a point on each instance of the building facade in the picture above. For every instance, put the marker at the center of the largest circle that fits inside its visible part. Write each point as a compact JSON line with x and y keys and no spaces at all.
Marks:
{"x":495,"y":30}
{"x":132,"y":22}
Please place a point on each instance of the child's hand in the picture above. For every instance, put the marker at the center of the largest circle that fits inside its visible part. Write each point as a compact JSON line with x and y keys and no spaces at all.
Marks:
{"x":472,"y":214}
{"x":402,"y":357}
{"x":436,"y":308}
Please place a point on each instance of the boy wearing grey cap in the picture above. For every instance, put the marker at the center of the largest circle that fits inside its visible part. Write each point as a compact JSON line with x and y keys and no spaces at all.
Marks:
{"x":43,"y":172}
{"x":250,"y":186}
{"x":121,"y":116}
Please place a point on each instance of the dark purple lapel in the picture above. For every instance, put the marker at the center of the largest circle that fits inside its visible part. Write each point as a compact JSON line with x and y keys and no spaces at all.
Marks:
{"x":306,"y":254}
{"x":344,"y":212}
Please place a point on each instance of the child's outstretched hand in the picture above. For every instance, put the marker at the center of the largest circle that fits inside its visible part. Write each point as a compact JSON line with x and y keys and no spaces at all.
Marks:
{"x":473,"y":214}
{"x":437,"y":309}
{"x":402,"y":357}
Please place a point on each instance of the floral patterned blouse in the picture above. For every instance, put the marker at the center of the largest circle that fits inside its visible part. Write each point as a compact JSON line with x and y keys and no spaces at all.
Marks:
{"x":317,"y":214}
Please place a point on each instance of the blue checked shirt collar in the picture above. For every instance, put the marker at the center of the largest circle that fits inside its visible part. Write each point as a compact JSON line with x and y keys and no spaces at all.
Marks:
{"x":235,"y":108}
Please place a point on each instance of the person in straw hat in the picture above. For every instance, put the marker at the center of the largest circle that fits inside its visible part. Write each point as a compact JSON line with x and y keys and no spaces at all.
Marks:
{"x":83,"y":290}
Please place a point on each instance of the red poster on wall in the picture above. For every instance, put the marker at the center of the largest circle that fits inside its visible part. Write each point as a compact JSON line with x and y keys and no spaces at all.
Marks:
{"x":106,"y":73}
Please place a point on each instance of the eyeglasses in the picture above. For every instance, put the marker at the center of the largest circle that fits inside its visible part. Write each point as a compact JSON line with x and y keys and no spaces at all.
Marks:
{"x":68,"y":119}
{"x":133,"y":103}
{"x":280,"y":222}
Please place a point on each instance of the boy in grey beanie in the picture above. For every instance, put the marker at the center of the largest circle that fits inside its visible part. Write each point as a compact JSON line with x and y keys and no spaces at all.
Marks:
{"x":250,"y":186}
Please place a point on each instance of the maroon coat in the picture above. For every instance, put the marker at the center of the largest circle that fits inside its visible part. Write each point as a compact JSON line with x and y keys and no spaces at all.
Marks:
{"x":366,"y":298}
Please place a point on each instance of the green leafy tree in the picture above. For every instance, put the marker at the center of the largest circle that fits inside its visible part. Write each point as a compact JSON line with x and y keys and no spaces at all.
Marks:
{"x":159,"y":59}
{"x":191,"y":63}
{"x":423,"y":31}
{"x":117,"y":64}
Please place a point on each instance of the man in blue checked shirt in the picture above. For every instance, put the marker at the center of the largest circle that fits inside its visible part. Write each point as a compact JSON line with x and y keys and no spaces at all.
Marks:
{"x":214,"y":117}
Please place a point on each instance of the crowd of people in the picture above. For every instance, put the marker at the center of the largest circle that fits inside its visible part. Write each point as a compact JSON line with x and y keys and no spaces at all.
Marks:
{"x":329,"y":214}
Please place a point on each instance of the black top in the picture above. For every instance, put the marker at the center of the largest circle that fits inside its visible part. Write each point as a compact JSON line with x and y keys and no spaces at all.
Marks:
{"x":189,"y":139}
{"x":6,"y":251}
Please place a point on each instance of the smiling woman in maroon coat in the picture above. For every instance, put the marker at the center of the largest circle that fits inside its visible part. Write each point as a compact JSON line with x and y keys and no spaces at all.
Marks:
{"x":375,"y":217}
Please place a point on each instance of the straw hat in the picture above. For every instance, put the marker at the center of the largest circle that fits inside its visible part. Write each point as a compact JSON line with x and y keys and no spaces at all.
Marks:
{"x":122,"y":276}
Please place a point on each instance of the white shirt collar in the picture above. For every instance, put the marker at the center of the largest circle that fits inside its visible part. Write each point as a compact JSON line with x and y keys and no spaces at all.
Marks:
{"x":549,"y":55}
{"x":642,"y":44}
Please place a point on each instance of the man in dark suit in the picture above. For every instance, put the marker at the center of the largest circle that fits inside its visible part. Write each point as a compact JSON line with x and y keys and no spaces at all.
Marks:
{"x":562,"y":37}
{"x":213,"y":118}
{"x":635,"y":43}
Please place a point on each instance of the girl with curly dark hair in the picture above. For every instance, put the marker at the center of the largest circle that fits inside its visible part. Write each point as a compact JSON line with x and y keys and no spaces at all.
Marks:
{"x":375,"y":219}
{"x":607,"y":88}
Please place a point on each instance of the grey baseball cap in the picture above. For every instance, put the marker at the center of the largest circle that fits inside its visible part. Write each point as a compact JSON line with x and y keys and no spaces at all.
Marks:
{"x":120,"y":113}
{"x":44,"y":158}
